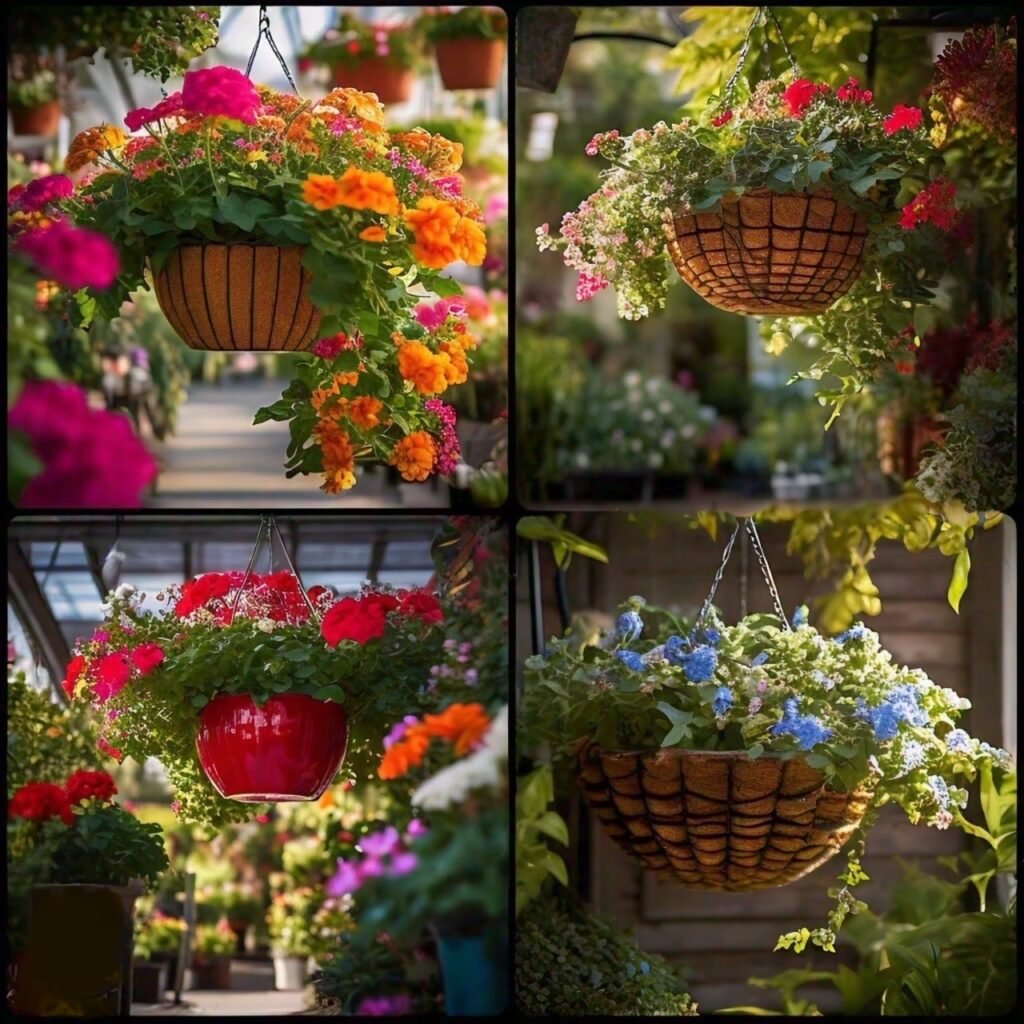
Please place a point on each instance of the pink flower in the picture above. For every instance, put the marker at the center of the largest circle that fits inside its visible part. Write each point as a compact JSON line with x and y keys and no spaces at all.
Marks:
{"x":399,"y":730}
{"x":416,"y":829}
{"x":306,"y":64}
{"x":135,"y":119}
{"x":588,"y":285}
{"x":385,"y":1006}
{"x":75,"y":257}
{"x":380,"y":844}
{"x":798,"y":96}
{"x":496,"y":209}
{"x":903,"y":117}
{"x":41,"y":192}
{"x":723,"y":118}
{"x":175,"y":806}
{"x":101,"y":636}
{"x":449,"y":451}
{"x":146,"y":657}
{"x":91,"y":458}
{"x":433,"y":315}
{"x":112,"y":674}
{"x":450,"y":187}
{"x":332,"y":347}
{"x":14,"y":194}
{"x":220,"y":91}
{"x":346,"y":879}
{"x":403,"y":863}
{"x":262,"y":819}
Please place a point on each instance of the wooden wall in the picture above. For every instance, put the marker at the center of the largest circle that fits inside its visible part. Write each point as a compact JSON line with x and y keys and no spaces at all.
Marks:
{"x":720,"y":940}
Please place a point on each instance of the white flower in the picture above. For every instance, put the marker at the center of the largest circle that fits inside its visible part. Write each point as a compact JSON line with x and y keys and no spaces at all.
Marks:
{"x":124,"y":591}
{"x":266,"y":625}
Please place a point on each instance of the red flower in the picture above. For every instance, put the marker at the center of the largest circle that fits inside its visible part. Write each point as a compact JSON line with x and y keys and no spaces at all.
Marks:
{"x":75,"y":668}
{"x":723,"y":118}
{"x":420,"y":604}
{"x":203,"y":589}
{"x":933,"y":204}
{"x":852,"y":93}
{"x":284,"y":581}
{"x":112,"y":674}
{"x":146,"y":657}
{"x":903,"y":117}
{"x":40,"y":801}
{"x":86,"y":785}
{"x":357,"y":618}
{"x":107,"y":749}
{"x":798,"y":96}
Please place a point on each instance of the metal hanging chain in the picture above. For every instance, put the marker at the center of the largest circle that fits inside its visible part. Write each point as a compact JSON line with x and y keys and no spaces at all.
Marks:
{"x":706,"y":607}
{"x":744,"y":574}
{"x":764,"y":15}
{"x":295,"y":572}
{"x":264,"y":33}
{"x":766,"y":571}
{"x":770,"y":15}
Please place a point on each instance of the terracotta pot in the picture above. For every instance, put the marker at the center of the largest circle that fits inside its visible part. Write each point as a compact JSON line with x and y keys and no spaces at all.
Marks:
{"x":211,"y":972}
{"x":43,"y":119}
{"x":718,"y":820}
{"x":391,"y":83}
{"x":769,"y":252}
{"x":242,"y":297}
{"x":470,"y":63}
{"x":288,"y":749}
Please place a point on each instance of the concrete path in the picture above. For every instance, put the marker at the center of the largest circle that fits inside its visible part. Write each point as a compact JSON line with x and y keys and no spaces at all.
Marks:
{"x":218,"y":459}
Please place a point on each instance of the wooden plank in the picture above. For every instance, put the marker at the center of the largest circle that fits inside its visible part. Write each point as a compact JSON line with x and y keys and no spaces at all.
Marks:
{"x":913,"y":648}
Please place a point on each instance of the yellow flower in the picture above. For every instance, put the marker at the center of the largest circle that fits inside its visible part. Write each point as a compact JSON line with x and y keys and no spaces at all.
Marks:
{"x":256,"y":156}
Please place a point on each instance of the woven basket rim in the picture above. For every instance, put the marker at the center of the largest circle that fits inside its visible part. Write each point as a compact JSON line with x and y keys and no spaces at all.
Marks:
{"x":757,"y":193}
{"x":228,"y":245}
{"x":736,"y":754}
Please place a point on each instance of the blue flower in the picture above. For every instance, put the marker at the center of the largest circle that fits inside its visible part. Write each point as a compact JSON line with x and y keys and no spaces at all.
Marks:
{"x":712,"y":636}
{"x":631,"y":660}
{"x":675,"y":650}
{"x":699,"y":665}
{"x":722,"y":701}
{"x":800,"y":616}
{"x":937,"y":784}
{"x":826,"y":682}
{"x":760,"y":659}
{"x":913,"y":755}
{"x":857,"y":632}
{"x":629,"y":627}
{"x":900,"y":706}
{"x":1001,"y":757}
{"x":958,"y":742}
{"x":805,"y":729}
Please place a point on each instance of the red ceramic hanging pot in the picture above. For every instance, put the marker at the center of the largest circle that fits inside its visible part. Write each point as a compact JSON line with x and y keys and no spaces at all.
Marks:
{"x":288,"y":749}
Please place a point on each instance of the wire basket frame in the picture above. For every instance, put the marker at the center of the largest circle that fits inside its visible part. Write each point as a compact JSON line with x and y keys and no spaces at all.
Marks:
{"x":769,"y":252}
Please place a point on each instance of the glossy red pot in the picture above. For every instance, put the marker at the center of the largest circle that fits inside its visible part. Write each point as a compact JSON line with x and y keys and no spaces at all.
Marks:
{"x":288,"y":749}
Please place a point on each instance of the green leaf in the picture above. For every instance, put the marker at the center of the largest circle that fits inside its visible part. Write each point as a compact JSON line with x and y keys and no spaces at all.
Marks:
{"x":332,"y":692}
{"x":958,"y":584}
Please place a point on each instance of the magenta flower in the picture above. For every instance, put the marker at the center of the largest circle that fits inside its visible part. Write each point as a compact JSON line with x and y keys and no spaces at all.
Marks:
{"x":346,"y":879}
{"x":403,"y":863}
{"x":74,"y":257}
{"x":449,"y":451}
{"x":220,"y":92}
{"x":416,"y":829}
{"x":380,"y":844}
{"x":91,"y":458}
{"x":41,"y":192}
{"x":400,"y":728}
{"x":385,"y":1006}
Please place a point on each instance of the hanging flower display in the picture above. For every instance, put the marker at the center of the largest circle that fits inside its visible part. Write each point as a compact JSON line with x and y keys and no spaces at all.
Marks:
{"x":769,"y":204}
{"x":469,"y":44}
{"x":269,"y":222}
{"x":249,"y":687}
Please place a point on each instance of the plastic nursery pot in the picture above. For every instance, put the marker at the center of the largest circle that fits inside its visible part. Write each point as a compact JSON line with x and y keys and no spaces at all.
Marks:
{"x":769,"y":252}
{"x":470,"y":63}
{"x":718,"y":820}
{"x":289,"y":973}
{"x":241,"y":297}
{"x":77,"y":961}
{"x":149,"y":981}
{"x":391,"y":83}
{"x":211,"y":972}
{"x":43,"y":119}
{"x":288,"y":749}
{"x":474,"y":971}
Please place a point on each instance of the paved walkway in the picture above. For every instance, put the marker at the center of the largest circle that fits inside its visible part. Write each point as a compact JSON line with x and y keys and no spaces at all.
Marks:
{"x":218,"y":459}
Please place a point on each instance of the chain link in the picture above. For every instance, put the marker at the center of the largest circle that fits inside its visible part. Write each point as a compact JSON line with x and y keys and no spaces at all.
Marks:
{"x":766,"y":571}
{"x":264,"y":33}
{"x":706,"y":607}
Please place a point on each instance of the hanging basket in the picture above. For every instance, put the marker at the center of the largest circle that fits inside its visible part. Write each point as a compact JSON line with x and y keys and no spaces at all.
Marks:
{"x":241,"y":297}
{"x":470,"y":63}
{"x":771,"y":253}
{"x":718,"y":821}
{"x":42,"y":119}
{"x":288,"y":749}
{"x":391,"y":82}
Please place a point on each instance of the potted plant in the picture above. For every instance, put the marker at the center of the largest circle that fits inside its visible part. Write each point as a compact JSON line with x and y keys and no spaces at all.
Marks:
{"x":469,"y":44}
{"x":33,"y":96}
{"x":377,"y":58}
{"x":85,"y":860}
{"x":734,"y":758}
{"x":157,"y":947}
{"x":770,"y":202}
{"x":250,"y":688}
{"x":211,"y":960}
{"x":289,"y":921}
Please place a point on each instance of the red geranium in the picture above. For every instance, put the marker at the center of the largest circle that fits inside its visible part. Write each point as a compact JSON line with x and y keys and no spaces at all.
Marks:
{"x":203,"y":589}
{"x":107,"y":749}
{"x":85,"y":785}
{"x":75,"y":668}
{"x":903,"y":117}
{"x":421,"y":604}
{"x":723,"y":118}
{"x":40,"y":801}
{"x":933,"y":204}
{"x":357,"y":618}
{"x":146,"y":657}
{"x":852,"y":93}
{"x":112,"y":674}
{"x":798,"y":96}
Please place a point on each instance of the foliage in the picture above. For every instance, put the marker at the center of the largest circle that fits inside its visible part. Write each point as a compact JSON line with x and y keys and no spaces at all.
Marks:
{"x":46,"y":741}
{"x":355,"y":41}
{"x":196,"y":651}
{"x":303,"y":921}
{"x":39,"y":88}
{"x":214,"y":940}
{"x":570,"y":962}
{"x":439,"y":24}
{"x":273,"y":169}
{"x":535,"y":824}
{"x":564,"y":543}
{"x":158,"y":41}
{"x":158,"y":933}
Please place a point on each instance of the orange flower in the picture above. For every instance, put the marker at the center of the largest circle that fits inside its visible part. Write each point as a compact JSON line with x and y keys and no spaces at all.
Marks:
{"x":414,"y":456}
{"x":363,"y":411}
{"x":426,"y":371}
{"x":90,"y":145}
{"x":369,"y":190}
{"x":300,"y":127}
{"x":342,"y":380}
{"x":363,"y":105}
{"x":441,"y":155}
{"x":271,"y":122}
{"x":433,"y":222}
{"x":470,"y":241}
{"x":457,"y":369}
{"x":338,"y":458}
{"x":407,"y":753}
{"x":374,"y":234}
{"x":463,"y":725}
{"x":321,"y":191}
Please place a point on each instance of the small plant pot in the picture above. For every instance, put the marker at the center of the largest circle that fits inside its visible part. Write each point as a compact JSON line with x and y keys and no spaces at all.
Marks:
{"x":211,"y":972}
{"x":287,"y":750}
{"x":42,"y":119}
{"x":718,"y":820}
{"x":149,"y":981}
{"x":474,"y":972}
{"x":771,"y":253}
{"x":241,"y":297}
{"x":470,"y":63}
{"x":289,"y":973}
{"x":543,"y":38}
{"x":390,"y":82}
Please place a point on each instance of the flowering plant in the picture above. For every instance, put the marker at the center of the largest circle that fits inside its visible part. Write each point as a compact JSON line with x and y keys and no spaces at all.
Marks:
{"x":440,"y":23}
{"x":36,"y":87}
{"x":355,"y":40}
{"x":150,"y":672}
{"x":158,"y":933}
{"x":303,"y":921}
{"x":786,"y":136}
{"x":215,"y":940}
{"x":379,"y":216}
{"x":769,"y":690}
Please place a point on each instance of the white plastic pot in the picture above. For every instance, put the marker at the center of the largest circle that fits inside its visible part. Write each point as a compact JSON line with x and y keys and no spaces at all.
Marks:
{"x":289,"y":973}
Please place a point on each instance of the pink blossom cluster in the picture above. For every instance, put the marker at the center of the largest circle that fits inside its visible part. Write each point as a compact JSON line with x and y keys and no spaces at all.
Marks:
{"x":172,"y":105}
{"x":384,"y":853}
{"x":39,"y":193}
{"x":449,"y":451}
{"x":91,"y":458}
{"x":432,"y":316}
{"x":397,"y":1005}
{"x":588,"y":285}
{"x":345,"y":123}
{"x":332,"y":347}
{"x":75,"y":257}
{"x":593,"y":147}
{"x":409,"y":162}
{"x":219,"y":92}
{"x":450,"y":187}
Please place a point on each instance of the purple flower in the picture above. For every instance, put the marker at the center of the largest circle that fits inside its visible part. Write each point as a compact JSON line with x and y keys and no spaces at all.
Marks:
{"x":385,"y":1006}
{"x":101,"y":636}
{"x":403,"y":863}
{"x":380,"y":844}
{"x":399,"y":730}
{"x":416,"y":829}
{"x":348,"y":878}
{"x":472,"y":677}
